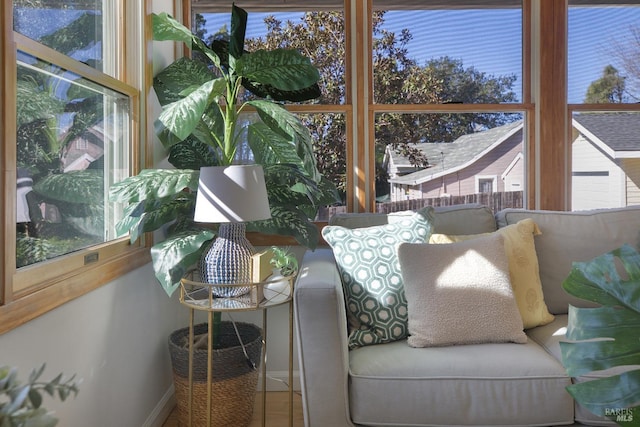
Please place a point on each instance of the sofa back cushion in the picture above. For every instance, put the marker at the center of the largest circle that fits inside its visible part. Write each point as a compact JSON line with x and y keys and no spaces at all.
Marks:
{"x":457,"y":219}
{"x":574,"y":236}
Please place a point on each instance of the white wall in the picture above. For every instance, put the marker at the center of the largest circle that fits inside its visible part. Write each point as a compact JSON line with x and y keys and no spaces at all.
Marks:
{"x":115,"y":340}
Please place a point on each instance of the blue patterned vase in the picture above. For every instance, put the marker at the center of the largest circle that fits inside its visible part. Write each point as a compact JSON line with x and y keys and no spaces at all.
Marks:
{"x":228,"y":261}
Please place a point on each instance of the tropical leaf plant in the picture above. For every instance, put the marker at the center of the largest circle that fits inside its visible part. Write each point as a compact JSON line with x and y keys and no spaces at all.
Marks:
{"x":201,"y":125}
{"x":606,"y":336}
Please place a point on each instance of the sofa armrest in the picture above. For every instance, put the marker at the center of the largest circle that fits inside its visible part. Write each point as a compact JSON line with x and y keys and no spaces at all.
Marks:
{"x":321,"y":330}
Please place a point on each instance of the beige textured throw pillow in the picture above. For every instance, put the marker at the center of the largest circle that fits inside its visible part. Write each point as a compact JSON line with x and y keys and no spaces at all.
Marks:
{"x":523,"y":269}
{"x":459,"y":293}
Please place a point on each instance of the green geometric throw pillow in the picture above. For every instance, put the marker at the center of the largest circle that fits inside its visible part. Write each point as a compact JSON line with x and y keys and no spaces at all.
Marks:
{"x":367,"y":260}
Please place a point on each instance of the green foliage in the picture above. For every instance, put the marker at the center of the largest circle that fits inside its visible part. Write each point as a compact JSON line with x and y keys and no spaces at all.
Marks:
{"x":21,"y":404}
{"x":610,"y":88}
{"x":30,"y":250}
{"x":84,"y":186}
{"x":607,"y":336}
{"x":201,"y":126}
{"x":284,"y":260}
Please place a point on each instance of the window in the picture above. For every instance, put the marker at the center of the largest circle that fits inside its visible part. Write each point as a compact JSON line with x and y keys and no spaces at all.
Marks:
{"x":318,"y":32}
{"x":443,"y":157}
{"x":71,"y":129}
{"x":415,"y":71}
{"x":603,"y":92}
{"x":486,"y":184}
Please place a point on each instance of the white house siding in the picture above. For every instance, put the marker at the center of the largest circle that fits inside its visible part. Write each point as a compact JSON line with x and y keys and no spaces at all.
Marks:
{"x":632,"y":169}
{"x":514,"y":176}
{"x":597,"y":181}
{"x":463,"y":182}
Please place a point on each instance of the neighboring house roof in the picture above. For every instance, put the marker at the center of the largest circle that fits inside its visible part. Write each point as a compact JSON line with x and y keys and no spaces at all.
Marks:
{"x":617,"y":134}
{"x":446,"y":158}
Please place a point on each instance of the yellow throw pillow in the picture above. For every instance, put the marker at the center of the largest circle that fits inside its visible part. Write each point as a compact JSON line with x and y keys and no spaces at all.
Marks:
{"x":523,"y":269}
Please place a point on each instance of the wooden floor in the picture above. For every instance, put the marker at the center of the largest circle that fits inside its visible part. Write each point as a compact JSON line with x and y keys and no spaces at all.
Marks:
{"x":277,"y":411}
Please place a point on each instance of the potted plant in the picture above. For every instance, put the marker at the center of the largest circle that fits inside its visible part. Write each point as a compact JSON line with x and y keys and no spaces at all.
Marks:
{"x":606,"y":336}
{"x":202,"y":125}
{"x":21,"y":404}
{"x":284,"y":261}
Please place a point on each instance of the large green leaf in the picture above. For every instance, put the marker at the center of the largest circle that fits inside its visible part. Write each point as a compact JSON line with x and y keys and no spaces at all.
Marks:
{"x":284,"y":69}
{"x":289,"y":222}
{"x":173,"y":256}
{"x":167,"y":28}
{"x":84,"y":186}
{"x":238,"y":31}
{"x":180,"y":78}
{"x":33,"y":103}
{"x":607,"y":336}
{"x":269,"y":147}
{"x":154,"y":184}
{"x":151,"y":214}
{"x":283,"y":122}
{"x":181,"y":117}
{"x":192,"y":154}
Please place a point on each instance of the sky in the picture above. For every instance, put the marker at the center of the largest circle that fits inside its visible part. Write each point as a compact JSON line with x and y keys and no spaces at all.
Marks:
{"x":494,"y":45}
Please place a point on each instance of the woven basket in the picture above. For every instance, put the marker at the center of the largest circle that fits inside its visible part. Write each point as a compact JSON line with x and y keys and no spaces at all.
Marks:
{"x":234,"y":380}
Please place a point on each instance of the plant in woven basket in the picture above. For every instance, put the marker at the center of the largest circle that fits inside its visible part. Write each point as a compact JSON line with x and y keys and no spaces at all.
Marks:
{"x":236,"y":359}
{"x":21,"y":403}
{"x":607,"y":336}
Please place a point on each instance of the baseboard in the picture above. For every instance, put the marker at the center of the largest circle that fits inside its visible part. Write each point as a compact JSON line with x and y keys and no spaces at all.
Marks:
{"x":162,"y":410}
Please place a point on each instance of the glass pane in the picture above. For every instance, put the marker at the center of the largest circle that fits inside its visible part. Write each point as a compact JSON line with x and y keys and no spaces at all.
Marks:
{"x":73,"y":28}
{"x":604,"y":52}
{"x":328,"y":132}
{"x":605,"y":159}
{"x":318,"y":35}
{"x":456,"y":55}
{"x":73,"y":140}
{"x":449,"y":159}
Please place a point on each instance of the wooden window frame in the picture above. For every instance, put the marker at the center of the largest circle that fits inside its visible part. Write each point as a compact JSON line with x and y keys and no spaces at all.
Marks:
{"x":544,"y":103}
{"x":34,"y":290}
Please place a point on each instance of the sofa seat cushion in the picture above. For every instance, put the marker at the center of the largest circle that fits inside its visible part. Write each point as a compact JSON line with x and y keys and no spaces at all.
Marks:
{"x":493,"y":384}
{"x":549,"y":337}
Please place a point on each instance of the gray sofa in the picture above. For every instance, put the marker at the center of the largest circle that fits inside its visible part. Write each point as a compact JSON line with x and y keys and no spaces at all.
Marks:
{"x":393,"y":384}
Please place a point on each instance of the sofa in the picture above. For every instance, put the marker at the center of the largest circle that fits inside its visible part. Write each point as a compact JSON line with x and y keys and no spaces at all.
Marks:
{"x":519,"y":383}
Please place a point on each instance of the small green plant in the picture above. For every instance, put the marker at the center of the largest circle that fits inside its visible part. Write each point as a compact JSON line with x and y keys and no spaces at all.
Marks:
{"x":21,"y":404}
{"x":284,"y":260}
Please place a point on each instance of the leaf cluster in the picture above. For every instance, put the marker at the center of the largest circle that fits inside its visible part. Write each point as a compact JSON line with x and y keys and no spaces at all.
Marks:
{"x":607,"y":336}
{"x":21,"y":404}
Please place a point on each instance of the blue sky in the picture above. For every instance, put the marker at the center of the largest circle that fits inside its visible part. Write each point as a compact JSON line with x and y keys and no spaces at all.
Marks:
{"x":494,"y":44}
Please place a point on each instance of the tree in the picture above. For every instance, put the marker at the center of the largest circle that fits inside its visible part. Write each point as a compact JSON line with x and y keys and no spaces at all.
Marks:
{"x":627,"y":54}
{"x":397,"y":79}
{"x":610,"y":88}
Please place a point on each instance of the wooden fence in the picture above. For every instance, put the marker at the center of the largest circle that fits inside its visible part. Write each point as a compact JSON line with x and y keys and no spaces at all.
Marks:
{"x":495,"y":201}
